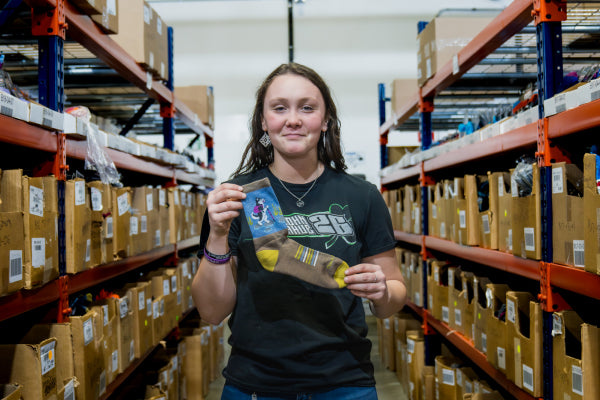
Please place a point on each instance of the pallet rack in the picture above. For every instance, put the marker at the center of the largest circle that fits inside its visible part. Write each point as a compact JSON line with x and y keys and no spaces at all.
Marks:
{"x":50,"y":19}
{"x":547,"y":16}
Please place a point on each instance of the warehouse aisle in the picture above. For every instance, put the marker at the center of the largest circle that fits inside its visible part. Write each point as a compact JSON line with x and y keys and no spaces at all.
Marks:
{"x":388,"y":387}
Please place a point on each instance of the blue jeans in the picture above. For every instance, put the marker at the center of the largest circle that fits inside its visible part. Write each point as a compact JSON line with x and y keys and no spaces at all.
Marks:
{"x":344,"y":393}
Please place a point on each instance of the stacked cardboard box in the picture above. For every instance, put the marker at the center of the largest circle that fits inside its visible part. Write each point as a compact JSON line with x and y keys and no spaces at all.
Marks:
{"x":526,"y":213}
{"x":78,"y":222}
{"x":12,"y":228}
{"x":101,"y":223}
{"x":200,"y":100}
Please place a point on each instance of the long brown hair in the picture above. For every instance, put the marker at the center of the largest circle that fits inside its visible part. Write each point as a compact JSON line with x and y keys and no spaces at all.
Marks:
{"x":329,"y":149}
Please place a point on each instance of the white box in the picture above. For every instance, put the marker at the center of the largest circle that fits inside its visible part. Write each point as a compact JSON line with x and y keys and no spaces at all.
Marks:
{"x":129,"y":146}
{"x":572,"y":99}
{"x":14,"y":107}
{"x":555,"y":105}
{"x":45,"y":117}
{"x":147,"y":150}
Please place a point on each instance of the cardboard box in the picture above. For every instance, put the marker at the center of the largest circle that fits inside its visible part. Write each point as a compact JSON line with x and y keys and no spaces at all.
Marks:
{"x":158,"y":324}
{"x":498,"y":336}
{"x":591,"y":204}
{"x":500,"y":208}
{"x":524,"y":334}
{"x":33,"y":366}
{"x":437,"y":210}
{"x":142,"y":200}
{"x":428,"y":383}
{"x":464,"y":312}
{"x":10,"y":391}
{"x":200,"y":100}
{"x":412,"y":209}
{"x":108,"y":18}
{"x":527,"y":217}
{"x":567,"y":210}
{"x":45,"y":117}
{"x":78,"y":226}
{"x":403,"y":91}
{"x":102,"y":223}
{"x":481,"y":313}
{"x":141,"y":307}
{"x":416,"y":279}
{"x":110,"y":339}
{"x":40,"y":206}
{"x":388,"y":348}
{"x":455,"y":286}
{"x":195,"y":368}
{"x":442,"y":39}
{"x":11,"y":252}
{"x":466,"y":217}
{"x":88,"y":355}
{"x":494,"y":395}
{"x":465,"y":378}
{"x":163,"y":217}
{"x":14,"y":107}
{"x":590,"y":339}
{"x":137,"y":20}
{"x":175,"y":215}
{"x":567,"y":367}
{"x":63,"y":352}
{"x":415,"y":349}
{"x":445,"y":380}
{"x":121,"y":212}
{"x":89,"y":7}
{"x":437,"y":285}
{"x":403,"y":322}
{"x":125,"y":327}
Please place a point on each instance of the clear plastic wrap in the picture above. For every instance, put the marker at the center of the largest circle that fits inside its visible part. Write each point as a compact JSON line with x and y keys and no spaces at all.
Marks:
{"x":96,"y":158}
{"x":523,"y":176}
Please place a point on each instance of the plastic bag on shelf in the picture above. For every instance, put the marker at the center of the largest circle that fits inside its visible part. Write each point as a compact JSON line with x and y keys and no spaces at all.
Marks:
{"x":96,"y":158}
{"x":523,"y":176}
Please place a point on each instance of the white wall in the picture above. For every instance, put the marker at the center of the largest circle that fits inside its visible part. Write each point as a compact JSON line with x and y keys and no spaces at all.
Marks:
{"x":353,"y":44}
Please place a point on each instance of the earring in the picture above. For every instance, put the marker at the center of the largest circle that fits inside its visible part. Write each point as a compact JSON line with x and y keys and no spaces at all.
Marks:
{"x":265,"y":140}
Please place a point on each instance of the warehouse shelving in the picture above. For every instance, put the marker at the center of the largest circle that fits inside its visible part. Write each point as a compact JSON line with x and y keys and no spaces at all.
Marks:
{"x":466,"y":346}
{"x":548,"y":16}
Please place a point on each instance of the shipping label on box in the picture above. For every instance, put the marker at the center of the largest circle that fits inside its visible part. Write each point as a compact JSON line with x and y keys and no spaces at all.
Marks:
{"x":45,"y":117}
{"x":14,"y":107}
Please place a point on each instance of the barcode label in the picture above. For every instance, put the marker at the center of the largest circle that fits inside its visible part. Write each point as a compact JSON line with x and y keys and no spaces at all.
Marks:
{"x":88,"y":331}
{"x":173,"y":284}
{"x":109,"y":227}
{"x":436,"y":275}
{"x":527,"y":377}
{"x":157,"y":238}
{"x":166,"y":287}
{"x":433,"y":211}
{"x":144,"y":223}
{"x":190,"y":302}
{"x":447,"y":377}
{"x":577,"y":377}
{"x":149,"y":202}
{"x":155,"y":310}
{"x":484,"y":342}
{"x":141,"y":300}
{"x":418,"y":299}
{"x":184,"y":269}
{"x":176,"y":197}
{"x":561,"y":107}
{"x":513,"y":187}
{"x":468,"y":387}
{"x":179,"y":297}
{"x":131,"y":350}
{"x":115,"y":360}
{"x":6,"y":110}
{"x":47,"y":357}
{"x":500,"y":186}
{"x":147,"y":14}
{"x":105,"y":312}
{"x":557,"y":326}
{"x":457,"y":317}
{"x":578,"y":253}
{"x":462,"y":216}
{"x":485,"y":221}
{"x":69,"y":391}
{"x":133,"y":226}
{"x":410,"y":346}
{"x":501,"y":358}
{"x":88,"y":247}
{"x":79,"y":193}
{"x":122,"y":204}
{"x":509,"y":244}
{"x":161,"y":307}
{"x":386,"y":324}
{"x":148,"y":307}
{"x":96,"y":196}
{"x":557,"y":180}
{"x":442,"y":229}
{"x":36,"y":201}
{"x":38,"y":252}
{"x":47,"y":122}
{"x":123,"y":309}
{"x":161,"y":198}
{"x":529,"y":239}
{"x":510,"y":311}
{"x":445,"y":314}
{"x":451,"y":277}
{"x":409,"y":358}
{"x":102,"y":380}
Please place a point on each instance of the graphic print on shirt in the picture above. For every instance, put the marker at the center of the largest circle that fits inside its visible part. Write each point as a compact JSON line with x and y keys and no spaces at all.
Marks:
{"x":333,"y":224}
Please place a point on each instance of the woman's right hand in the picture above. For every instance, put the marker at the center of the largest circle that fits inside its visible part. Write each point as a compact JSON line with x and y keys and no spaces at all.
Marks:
{"x":223,"y":204}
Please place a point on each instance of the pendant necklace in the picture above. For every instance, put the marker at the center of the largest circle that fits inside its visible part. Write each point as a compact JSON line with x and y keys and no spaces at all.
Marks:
{"x":299,"y":201}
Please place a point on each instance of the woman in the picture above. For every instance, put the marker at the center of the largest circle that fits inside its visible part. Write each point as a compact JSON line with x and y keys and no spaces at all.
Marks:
{"x":292,"y":337}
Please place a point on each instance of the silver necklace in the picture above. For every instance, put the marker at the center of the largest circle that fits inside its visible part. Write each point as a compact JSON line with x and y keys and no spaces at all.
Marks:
{"x":299,"y":201}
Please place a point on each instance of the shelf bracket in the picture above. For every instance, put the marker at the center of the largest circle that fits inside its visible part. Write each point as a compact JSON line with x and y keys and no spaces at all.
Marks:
{"x":549,"y":11}
{"x":549,"y":299}
{"x":49,"y":21}
{"x":547,"y":152}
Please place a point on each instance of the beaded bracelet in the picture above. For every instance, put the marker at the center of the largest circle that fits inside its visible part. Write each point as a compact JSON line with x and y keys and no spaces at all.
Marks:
{"x":217,"y":258}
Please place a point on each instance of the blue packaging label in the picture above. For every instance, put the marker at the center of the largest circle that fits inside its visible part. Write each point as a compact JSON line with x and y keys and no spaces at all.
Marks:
{"x":263,"y":212}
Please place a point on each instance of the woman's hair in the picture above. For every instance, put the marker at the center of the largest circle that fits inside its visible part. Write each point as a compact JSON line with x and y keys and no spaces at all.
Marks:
{"x":329,"y":149}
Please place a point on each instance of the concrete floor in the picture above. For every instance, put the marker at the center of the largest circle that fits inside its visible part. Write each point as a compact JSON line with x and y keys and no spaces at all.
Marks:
{"x":388,"y":387}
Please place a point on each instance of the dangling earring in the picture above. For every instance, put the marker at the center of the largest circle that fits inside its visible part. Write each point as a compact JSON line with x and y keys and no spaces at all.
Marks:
{"x":324,"y":138}
{"x":265,"y":140}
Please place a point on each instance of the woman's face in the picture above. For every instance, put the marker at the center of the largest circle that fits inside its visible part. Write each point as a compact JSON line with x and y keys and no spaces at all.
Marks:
{"x":293,"y":116}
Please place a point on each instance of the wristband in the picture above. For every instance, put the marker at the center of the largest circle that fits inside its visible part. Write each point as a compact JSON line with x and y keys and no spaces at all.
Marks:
{"x":217,"y":258}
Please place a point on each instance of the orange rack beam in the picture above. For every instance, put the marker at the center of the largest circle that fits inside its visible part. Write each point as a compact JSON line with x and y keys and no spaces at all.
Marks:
{"x":401,"y":174}
{"x":466,"y":347}
{"x":409,"y":238}
{"x":575,"y":279}
{"x":586,"y":116}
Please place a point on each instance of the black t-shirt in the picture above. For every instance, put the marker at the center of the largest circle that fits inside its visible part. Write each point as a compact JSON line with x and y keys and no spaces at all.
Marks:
{"x":290,"y":336}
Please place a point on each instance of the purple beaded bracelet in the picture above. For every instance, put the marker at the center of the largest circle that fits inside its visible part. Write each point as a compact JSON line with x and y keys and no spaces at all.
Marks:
{"x":217,"y":258}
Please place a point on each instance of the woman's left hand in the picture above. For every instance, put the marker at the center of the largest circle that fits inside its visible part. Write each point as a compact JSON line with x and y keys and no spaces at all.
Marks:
{"x":367,"y":281}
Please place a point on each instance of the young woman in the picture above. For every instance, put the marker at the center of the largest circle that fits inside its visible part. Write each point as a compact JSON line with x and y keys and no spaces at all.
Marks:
{"x":298,"y":335}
